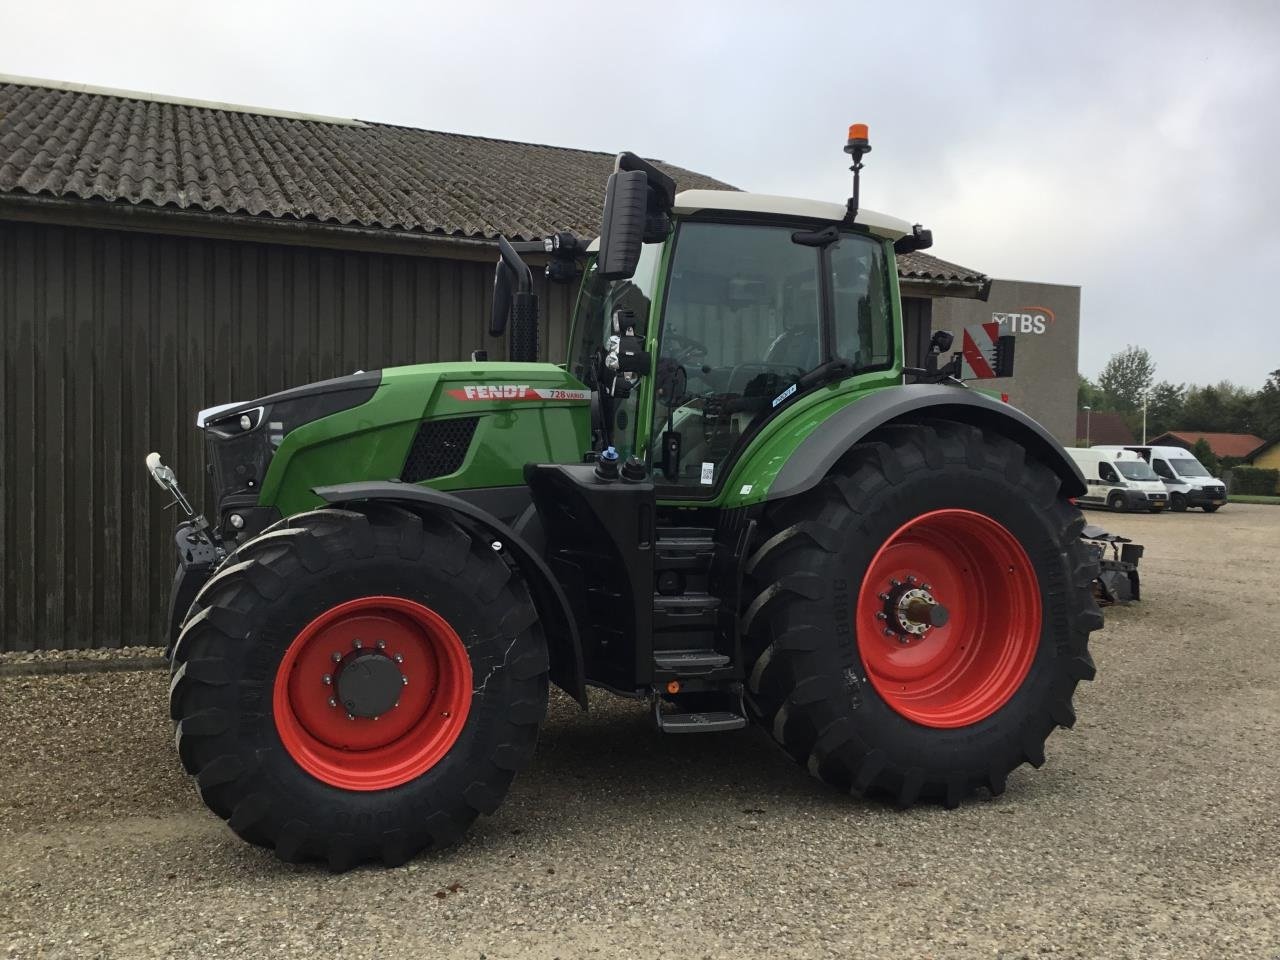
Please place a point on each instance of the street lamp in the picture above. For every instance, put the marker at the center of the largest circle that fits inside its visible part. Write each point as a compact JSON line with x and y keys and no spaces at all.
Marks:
{"x":1145,"y":397}
{"x":1088,"y":414}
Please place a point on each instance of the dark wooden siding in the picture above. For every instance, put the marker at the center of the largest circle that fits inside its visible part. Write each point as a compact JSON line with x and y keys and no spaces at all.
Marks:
{"x":113,"y":340}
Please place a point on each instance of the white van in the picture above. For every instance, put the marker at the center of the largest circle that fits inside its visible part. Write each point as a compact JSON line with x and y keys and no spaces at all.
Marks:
{"x":1188,"y":482}
{"x":1119,"y":479}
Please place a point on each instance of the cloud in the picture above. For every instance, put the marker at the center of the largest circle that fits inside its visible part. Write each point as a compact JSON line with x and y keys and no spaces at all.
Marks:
{"x":1127,"y":148}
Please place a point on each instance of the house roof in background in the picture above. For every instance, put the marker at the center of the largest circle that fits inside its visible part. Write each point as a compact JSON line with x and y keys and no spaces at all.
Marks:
{"x":1102,"y":426}
{"x":923,"y":266}
{"x":1222,"y":444}
{"x":66,"y":141}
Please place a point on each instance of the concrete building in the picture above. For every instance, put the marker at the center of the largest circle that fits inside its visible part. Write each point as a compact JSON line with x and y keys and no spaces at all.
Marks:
{"x":1045,"y":319}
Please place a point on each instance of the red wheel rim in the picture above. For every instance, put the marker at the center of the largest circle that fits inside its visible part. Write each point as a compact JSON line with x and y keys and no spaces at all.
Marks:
{"x":414,"y":734}
{"x":966,"y":669}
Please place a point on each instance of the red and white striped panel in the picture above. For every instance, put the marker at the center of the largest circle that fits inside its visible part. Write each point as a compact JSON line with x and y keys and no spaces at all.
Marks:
{"x":978,"y":351}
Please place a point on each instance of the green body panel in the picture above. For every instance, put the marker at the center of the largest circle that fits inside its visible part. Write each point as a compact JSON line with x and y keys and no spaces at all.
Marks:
{"x":371,"y":441}
{"x":758,"y":466}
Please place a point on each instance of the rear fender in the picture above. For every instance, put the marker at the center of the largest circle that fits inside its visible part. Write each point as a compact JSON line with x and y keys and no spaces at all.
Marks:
{"x":817,"y":453}
{"x":564,"y":646}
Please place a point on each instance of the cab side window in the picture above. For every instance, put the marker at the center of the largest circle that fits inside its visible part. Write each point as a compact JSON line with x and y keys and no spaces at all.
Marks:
{"x":1107,"y":474}
{"x":1162,"y":469}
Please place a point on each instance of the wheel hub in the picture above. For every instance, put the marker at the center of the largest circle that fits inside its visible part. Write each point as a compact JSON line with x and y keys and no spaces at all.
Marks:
{"x":369,"y":684}
{"x":911,"y":610}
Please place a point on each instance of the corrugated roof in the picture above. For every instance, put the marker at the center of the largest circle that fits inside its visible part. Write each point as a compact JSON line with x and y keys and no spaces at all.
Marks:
{"x":923,"y":266}
{"x":122,"y":147}
{"x":1222,"y":444}
{"x":75,"y":142}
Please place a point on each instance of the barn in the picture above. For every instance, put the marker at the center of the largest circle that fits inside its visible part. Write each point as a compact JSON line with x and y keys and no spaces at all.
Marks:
{"x":160,"y":255}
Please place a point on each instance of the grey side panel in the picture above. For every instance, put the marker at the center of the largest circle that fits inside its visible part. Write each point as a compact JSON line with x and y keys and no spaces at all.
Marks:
{"x":565,"y":646}
{"x":818,"y":452}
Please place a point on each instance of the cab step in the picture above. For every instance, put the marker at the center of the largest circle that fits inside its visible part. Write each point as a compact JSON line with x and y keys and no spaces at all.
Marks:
{"x":713,"y":712}
{"x":688,"y":663}
{"x":706,"y":721}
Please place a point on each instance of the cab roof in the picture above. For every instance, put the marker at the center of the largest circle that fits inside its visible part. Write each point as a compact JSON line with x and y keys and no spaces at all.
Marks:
{"x":736,"y":201}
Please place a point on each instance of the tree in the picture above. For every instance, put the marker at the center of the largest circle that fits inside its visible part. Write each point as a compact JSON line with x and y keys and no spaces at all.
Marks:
{"x":1165,"y":406}
{"x":1202,"y":452}
{"x":1126,"y":377}
{"x":1221,"y":407}
{"x":1266,"y":408}
{"x":1088,"y":394}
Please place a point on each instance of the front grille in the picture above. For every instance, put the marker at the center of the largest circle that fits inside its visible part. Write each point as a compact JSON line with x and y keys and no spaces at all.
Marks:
{"x":438,"y":449}
{"x":1156,"y":496}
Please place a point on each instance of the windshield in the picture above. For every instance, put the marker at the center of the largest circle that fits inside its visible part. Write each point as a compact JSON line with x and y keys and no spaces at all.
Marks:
{"x":1189,"y":468}
{"x":1135,"y":470}
{"x":597,"y":301}
{"x":743,"y":322}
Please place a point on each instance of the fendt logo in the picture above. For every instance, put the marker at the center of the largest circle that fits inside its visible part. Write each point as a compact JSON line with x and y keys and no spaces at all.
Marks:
{"x":515,"y":391}
{"x":1025,"y":320}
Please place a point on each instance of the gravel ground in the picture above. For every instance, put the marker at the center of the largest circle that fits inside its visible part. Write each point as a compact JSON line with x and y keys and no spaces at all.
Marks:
{"x":1154,"y":830}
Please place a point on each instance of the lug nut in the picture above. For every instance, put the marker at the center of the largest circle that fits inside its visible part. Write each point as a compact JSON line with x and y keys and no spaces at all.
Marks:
{"x":357,"y":643}
{"x":398,"y":658}
{"x":879,"y":616}
{"x":925,"y":586}
{"x":884,"y":596}
{"x":381,"y":644}
{"x":404,"y":681}
{"x":888,"y":632}
{"x":336,"y":658}
{"x":497,"y":546}
{"x":894,"y":583}
{"x":333,"y":702}
{"x":351,"y":716}
{"x":327,"y":679}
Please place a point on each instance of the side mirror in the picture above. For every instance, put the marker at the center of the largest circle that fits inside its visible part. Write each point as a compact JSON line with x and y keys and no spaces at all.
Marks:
{"x":502,"y":290}
{"x":622,"y":225}
{"x":510,"y":276}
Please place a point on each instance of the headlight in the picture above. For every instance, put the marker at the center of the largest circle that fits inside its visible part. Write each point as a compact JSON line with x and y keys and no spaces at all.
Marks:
{"x":236,"y":423}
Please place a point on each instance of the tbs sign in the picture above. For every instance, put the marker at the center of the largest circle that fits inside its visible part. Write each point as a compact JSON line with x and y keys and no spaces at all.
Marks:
{"x":1025,"y":320}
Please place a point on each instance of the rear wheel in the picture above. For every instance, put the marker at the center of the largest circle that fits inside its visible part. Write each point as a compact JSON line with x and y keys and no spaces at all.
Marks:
{"x":921,"y":618}
{"x":356,"y":686}
{"x":1177,"y":503}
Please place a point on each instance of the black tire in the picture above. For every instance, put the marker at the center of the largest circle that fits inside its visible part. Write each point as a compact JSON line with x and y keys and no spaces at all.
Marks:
{"x":1155,"y":509}
{"x":1177,"y":503}
{"x":244,"y":619}
{"x":1116,"y":501}
{"x":809,"y":683}
{"x":1211,"y":507}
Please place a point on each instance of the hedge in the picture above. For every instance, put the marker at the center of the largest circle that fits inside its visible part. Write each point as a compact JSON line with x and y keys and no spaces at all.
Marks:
{"x":1255,"y":480}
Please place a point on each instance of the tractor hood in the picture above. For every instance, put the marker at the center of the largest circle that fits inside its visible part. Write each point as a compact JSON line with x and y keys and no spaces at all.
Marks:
{"x":447,"y":425}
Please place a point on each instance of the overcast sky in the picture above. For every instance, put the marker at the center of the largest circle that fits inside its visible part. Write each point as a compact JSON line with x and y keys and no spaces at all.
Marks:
{"x":1129,"y":148}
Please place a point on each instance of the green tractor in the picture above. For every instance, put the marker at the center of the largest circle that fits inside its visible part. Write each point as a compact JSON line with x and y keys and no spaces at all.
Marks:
{"x":728,"y":502}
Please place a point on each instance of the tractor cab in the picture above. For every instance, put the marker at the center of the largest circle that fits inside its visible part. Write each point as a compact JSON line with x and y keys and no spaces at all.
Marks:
{"x":749,"y":304}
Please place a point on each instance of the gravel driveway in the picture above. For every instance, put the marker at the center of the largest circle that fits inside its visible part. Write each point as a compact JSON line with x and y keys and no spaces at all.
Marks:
{"x":1153,"y":831}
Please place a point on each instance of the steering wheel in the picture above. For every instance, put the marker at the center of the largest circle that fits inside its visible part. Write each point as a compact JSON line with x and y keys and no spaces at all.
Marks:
{"x":688,"y":349}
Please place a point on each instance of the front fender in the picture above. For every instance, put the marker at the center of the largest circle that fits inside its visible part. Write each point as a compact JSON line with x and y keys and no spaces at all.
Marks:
{"x":564,"y":646}
{"x":817,"y":453}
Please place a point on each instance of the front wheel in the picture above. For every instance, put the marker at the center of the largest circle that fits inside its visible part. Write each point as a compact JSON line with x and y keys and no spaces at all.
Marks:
{"x":1116,"y":501}
{"x":358,"y":685}
{"x":1178,"y":503}
{"x":921,"y":618}
{"x":1211,"y":507}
